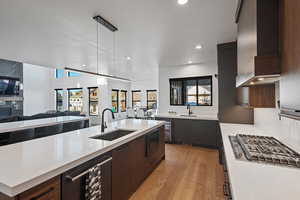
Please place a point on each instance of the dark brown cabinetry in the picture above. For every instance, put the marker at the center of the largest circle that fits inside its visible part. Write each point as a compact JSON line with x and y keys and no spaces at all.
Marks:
{"x":46,"y":191}
{"x":196,"y":132}
{"x":290,"y":80}
{"x":258,"y":96}
{"x":133,"y":162}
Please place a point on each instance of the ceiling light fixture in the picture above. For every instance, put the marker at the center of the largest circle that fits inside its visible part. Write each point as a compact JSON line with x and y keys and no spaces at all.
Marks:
{"x":128,"y":58}
{"x":198,"y":46}
{"x":107,"y":24}
{"x":182,"y":2}
{"x":190,"y":62}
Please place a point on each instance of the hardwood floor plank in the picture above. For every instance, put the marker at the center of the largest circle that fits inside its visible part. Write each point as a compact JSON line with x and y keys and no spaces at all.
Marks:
{"x":188,"y":173}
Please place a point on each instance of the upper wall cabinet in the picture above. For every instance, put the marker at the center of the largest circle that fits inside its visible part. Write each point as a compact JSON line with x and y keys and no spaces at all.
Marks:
{"x":258,"y":41}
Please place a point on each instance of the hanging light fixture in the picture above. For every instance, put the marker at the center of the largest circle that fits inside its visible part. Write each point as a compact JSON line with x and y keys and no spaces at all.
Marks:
{"x":112,"y":28}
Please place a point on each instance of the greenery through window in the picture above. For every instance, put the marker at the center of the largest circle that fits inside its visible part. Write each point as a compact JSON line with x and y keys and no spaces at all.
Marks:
{"x":194,"y":91}
{"x":59,"y":100}
{"x":123,"y":99}
{"x":151,"y":99}
{"x":93,"y":101}
{"x":136,"y":98}
{"x":115,"y":100}
{"x":75,"y":99}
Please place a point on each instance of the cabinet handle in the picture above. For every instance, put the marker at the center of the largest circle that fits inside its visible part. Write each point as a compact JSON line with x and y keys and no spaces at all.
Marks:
{"x":42,"y":194}
{"x":87,"y":171}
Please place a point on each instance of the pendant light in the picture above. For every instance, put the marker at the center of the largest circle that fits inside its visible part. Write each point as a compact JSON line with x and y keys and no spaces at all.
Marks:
{"x":112,"y":28}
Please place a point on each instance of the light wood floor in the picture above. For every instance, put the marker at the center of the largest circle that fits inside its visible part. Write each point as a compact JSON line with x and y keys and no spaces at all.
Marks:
{"x":188,"y":173}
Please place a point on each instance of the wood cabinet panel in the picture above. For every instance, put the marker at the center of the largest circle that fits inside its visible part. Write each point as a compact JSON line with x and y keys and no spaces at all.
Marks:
{"x":262,"y":96}
{"x":121,"y":173}
{"x":258,"y":96}
{"x":290,"y":33}
{"x":49,"y":190}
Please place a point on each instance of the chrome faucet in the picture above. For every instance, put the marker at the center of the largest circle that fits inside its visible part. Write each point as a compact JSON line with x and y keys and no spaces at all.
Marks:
{"x":103,"y":123}
{"x":189,"y":108}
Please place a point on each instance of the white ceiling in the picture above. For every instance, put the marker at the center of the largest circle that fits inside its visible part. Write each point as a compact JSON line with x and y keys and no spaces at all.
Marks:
{"x":58,"y":33}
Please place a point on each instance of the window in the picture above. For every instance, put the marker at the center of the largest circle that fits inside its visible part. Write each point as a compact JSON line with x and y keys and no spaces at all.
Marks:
{"x":115,"y":100}
{"x":75,"y":99}
{"x":73,"y":74}
{"x":123,"y":99}
{"x":59,"y":73}
{"x":136,"y":98}
{"x":93,"y":101}
{"x":59,"y":100}
{"x":151,"y":99}
{"x":194,"y":91}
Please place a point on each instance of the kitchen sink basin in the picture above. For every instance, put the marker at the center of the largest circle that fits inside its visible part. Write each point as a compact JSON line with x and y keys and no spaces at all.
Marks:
{"x":188,"y":115}
{"x":110,"y":136}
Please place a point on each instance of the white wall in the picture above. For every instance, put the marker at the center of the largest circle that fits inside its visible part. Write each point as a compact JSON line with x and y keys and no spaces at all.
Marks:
{"x":167,"y":72}
{"x":37,"y":88}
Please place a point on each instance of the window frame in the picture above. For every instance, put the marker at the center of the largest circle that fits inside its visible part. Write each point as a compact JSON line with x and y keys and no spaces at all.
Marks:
{"x":68,"y":89}
{"x":115,"y":90}
{"x":89,"y":89}
{"x":69,"y":76}
{"x":56,"y":98}
{"x":132,"y":101}
{"x":183,"y":93}
{"x":148,"y":101}
{"x":125,"y":91}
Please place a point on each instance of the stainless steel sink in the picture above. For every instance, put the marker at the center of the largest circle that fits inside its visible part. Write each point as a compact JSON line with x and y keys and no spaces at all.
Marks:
{"x":188,"y":115}
{"x":110,"y":136}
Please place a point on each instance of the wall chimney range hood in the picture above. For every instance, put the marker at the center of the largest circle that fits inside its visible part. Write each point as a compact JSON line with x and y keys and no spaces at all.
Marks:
{"x":258,"y":42}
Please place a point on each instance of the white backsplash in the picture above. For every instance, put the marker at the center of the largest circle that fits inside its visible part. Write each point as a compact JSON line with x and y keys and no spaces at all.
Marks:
{"x":286,"y":130}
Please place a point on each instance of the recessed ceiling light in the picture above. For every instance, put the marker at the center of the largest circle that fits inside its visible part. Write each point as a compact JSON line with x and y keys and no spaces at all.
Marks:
{"x":128,"y":58}
{"x":83,"y":65}
{"x":190,"y":62}
{"x":198,"y":46}
{"x":182,"y":2}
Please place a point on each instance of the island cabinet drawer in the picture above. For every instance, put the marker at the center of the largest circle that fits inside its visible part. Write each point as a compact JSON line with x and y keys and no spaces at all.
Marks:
{"x":49,"y":190}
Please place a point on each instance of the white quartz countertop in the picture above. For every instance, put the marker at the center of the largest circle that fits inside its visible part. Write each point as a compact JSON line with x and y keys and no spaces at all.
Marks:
{"x":28,"y":124}
{"x":256,"y":181}
{"x":27,"y":164}
{"x":186,"y":116}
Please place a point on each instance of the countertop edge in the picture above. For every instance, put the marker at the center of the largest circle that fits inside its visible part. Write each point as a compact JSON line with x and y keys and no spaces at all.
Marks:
{"x":16,"y":190}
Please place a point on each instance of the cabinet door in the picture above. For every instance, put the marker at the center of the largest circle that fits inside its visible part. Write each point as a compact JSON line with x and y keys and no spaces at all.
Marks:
{"x":138,"y":161}
{"x":180,"y":131}
{"x":203,"y":133}
{"x":46,"y":191}
{"x":121,"y":173}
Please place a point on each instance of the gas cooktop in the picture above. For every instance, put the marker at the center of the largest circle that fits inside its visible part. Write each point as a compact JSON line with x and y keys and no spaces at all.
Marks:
{"x":264,"y":149}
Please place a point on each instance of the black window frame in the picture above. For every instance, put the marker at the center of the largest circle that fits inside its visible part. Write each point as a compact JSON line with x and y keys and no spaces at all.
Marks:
{"x":125,"y":91}
{"x":132,"y":101}
{"x":115,"y":90}
{"x":68,"y":89}
{"x":148,"y":101}
{"x":89,"y":89}
{"x":56,"y":98}
{"x":183,"y":93}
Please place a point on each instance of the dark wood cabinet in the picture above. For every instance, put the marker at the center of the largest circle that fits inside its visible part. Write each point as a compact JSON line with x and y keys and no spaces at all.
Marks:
{"x":49,"y":190}
{"x":196,"y":132}
{"x":258,"y":96}
{"x":121,"y":173}
{"x":132,"y":164}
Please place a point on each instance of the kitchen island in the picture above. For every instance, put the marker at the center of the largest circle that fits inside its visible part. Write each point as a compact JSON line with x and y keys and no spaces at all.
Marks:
{"x":28,"y":164}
